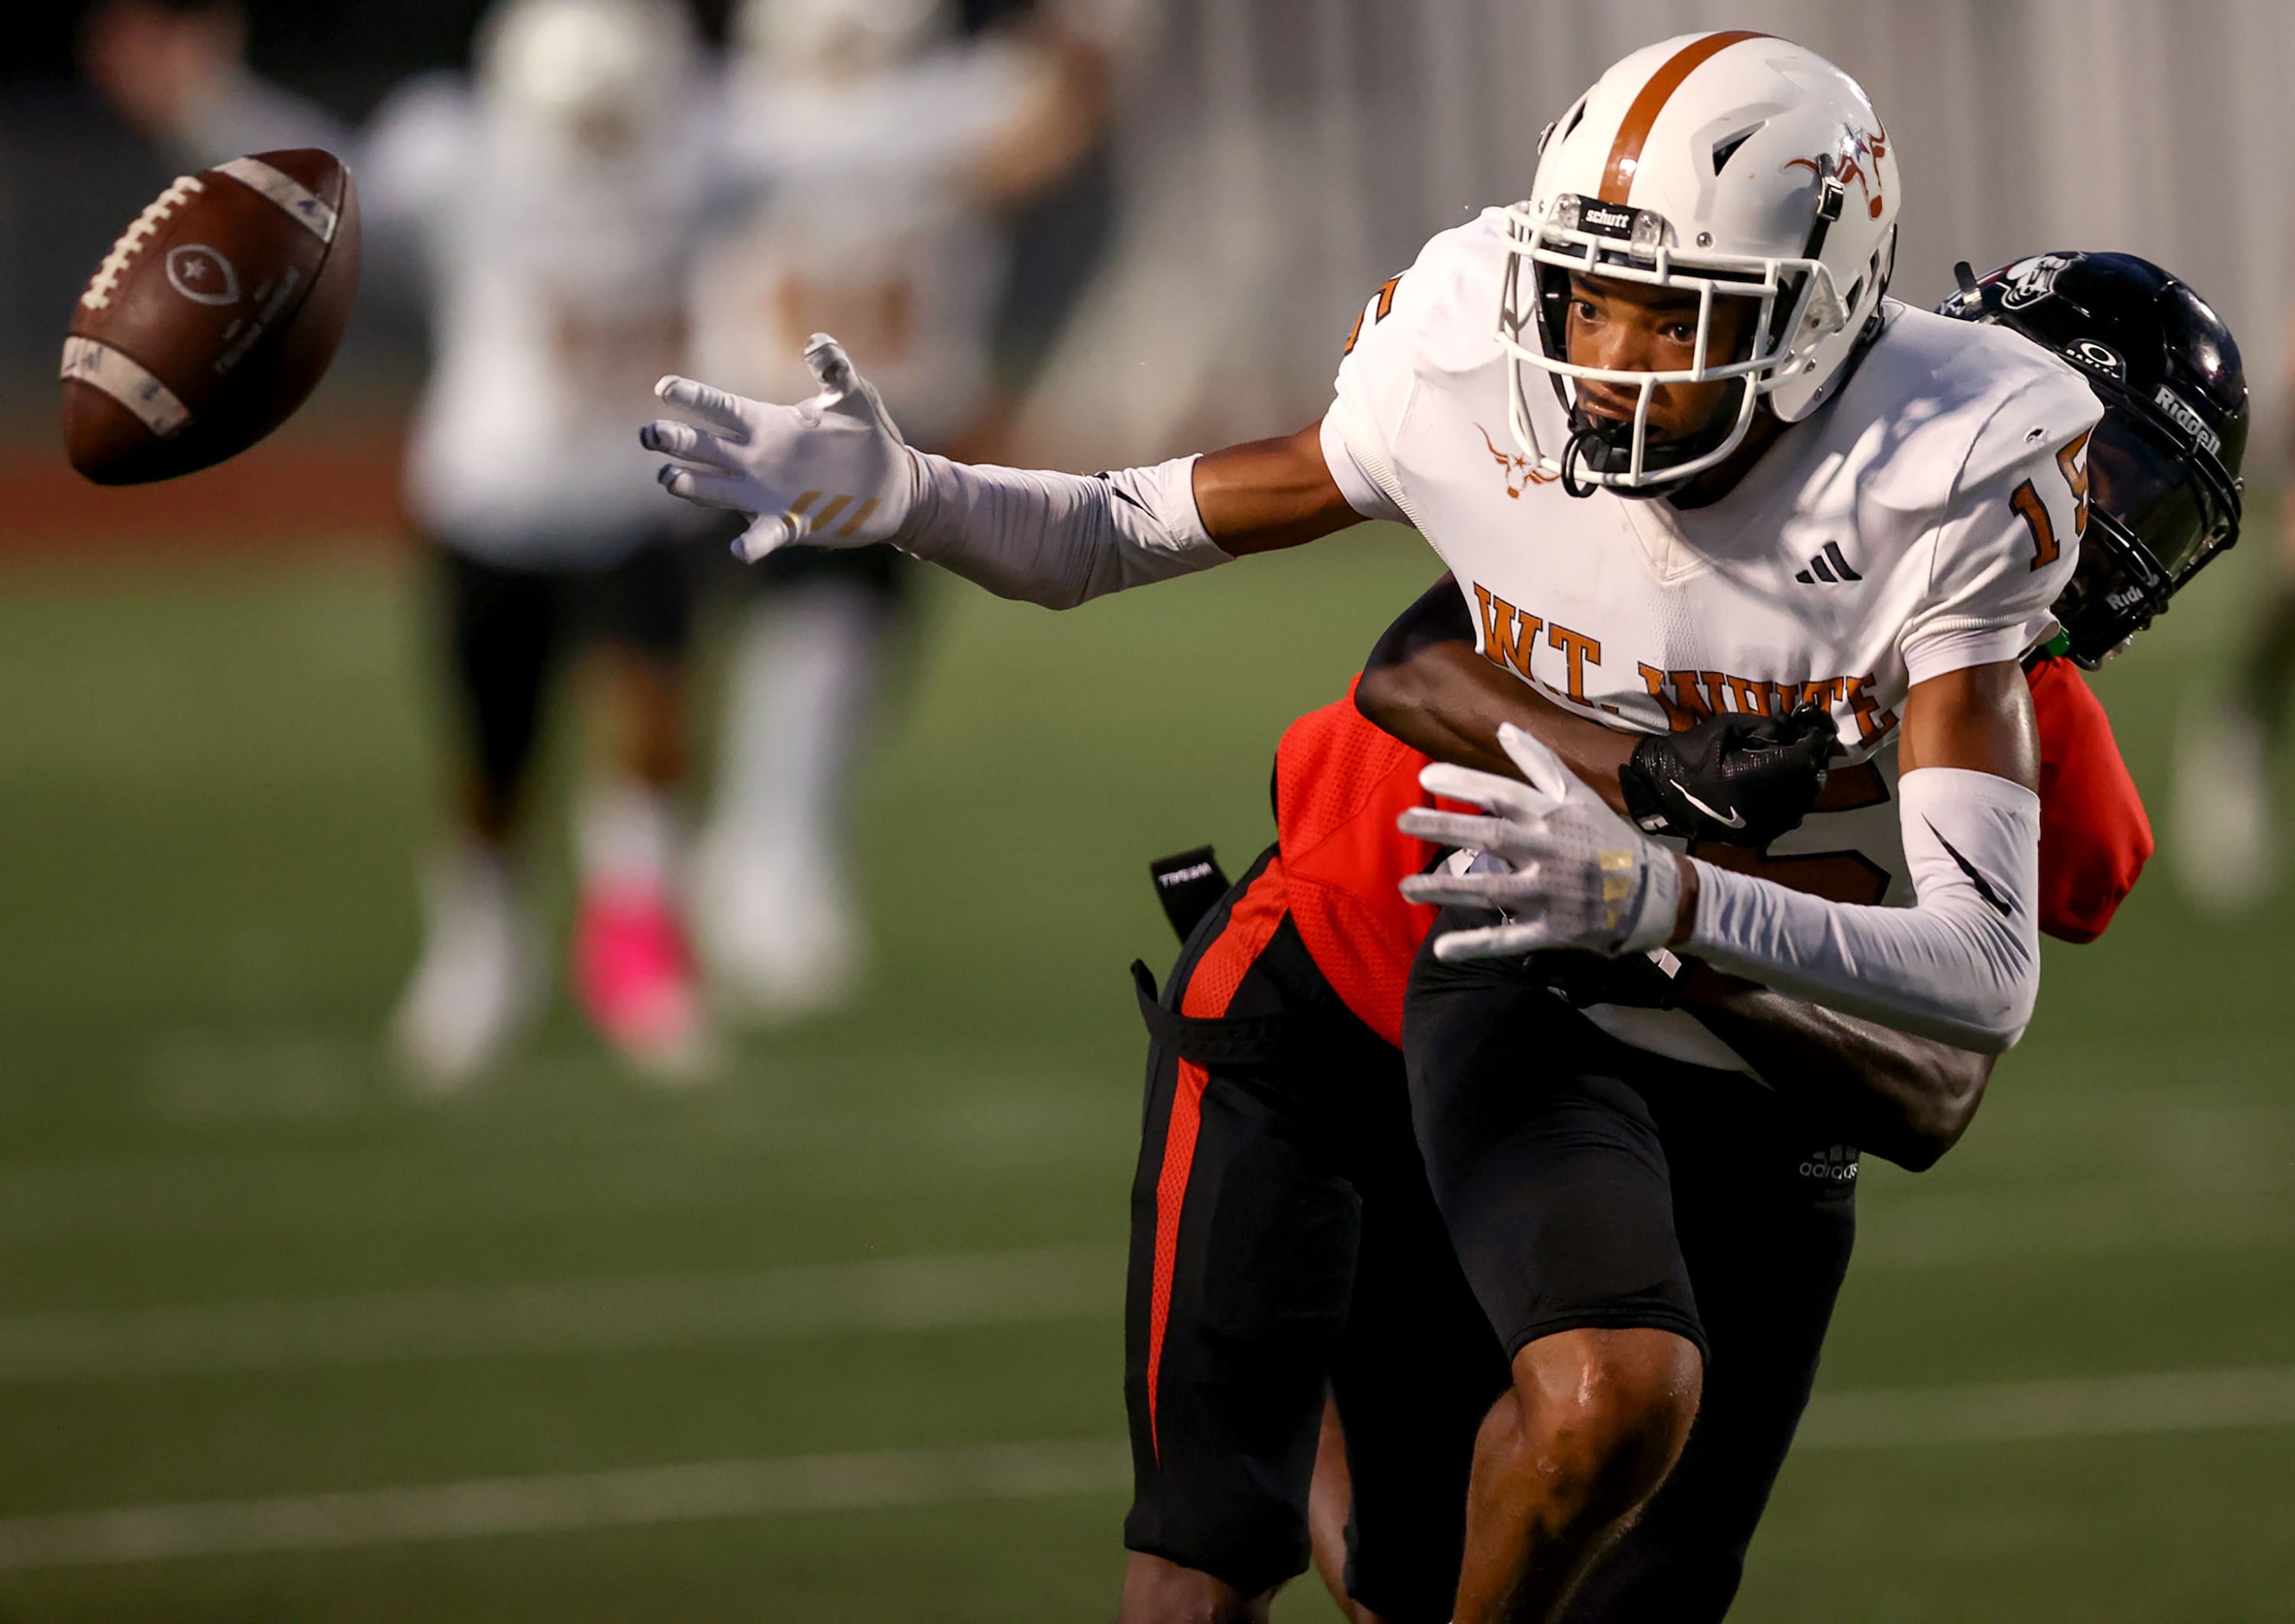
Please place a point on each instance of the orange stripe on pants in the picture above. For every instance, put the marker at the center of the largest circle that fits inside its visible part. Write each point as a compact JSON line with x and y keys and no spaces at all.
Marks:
{"x":1210,"y":987}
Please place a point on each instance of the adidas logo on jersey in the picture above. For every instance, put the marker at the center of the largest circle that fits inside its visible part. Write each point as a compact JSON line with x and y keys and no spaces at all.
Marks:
{"x":1835,"y":1164}
{"x":1828,"y":566}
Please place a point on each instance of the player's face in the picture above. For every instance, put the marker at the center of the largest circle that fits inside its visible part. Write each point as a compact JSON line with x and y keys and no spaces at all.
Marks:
{"x":1625,"y":327}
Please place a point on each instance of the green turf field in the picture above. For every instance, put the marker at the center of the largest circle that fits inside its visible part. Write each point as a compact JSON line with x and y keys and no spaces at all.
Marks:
{"x":873,"y":1276}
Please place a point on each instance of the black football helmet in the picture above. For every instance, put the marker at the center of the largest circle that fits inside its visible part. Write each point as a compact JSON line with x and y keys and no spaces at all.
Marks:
{"x":2164,"y":466}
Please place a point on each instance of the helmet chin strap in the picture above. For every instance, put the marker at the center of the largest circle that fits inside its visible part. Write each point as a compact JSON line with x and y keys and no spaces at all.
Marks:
{"x":1598,"y":440}
{"x":1570,"y":455}
{"x":1595,"y":439}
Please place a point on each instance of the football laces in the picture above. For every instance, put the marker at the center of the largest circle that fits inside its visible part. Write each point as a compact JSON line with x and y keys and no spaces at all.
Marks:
{"x":106,"y":281}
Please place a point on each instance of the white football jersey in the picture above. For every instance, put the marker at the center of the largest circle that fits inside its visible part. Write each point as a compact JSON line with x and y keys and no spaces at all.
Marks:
{"x":863,"y":228}
{"x":1922,"y":522}
{"x":557,"y":293}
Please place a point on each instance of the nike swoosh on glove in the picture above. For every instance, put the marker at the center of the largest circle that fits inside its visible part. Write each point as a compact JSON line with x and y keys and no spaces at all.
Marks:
{"x":1742,"y":780}
{"x":830,"y":471}
{"x":1581,"y":876}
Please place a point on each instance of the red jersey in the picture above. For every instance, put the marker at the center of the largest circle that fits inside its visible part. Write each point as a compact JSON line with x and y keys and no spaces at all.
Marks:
{"x":2095,"y":838}
{"x":1340,"y":783}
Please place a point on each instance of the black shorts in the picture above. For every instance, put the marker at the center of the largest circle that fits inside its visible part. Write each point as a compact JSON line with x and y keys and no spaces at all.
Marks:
{"x":1588,"y":1183}
{"x":509,"y":628}
{"x":1283,"y":1245}
{"x":1542,"y":1148}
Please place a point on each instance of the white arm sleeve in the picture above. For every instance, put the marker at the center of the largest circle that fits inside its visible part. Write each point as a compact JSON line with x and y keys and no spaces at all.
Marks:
{"x":1058,"y":539}
{"x":1962,"y":965}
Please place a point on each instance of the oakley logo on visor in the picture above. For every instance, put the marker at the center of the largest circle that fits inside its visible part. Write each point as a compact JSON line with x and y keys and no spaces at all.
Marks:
{"x":2187,"y":420}
{"x":2097,"y":358}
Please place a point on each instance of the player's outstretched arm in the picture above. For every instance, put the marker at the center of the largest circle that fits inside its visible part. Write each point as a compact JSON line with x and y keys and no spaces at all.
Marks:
{"x":834,"y":471}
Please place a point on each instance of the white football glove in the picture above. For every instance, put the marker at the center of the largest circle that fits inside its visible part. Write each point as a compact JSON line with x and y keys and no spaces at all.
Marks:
{"x":1582,"y":877}
{"x":830,"y":471}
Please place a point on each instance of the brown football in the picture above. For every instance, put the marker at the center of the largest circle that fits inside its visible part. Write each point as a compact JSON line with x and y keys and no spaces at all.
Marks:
{"x":212,"y":317}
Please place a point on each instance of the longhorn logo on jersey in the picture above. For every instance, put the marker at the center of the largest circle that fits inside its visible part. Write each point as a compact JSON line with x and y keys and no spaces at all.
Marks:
{"x":1521,"y":472}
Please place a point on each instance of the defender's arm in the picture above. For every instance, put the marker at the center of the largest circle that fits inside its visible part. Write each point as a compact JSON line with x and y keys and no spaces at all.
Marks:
{"x":1963,"y":963}
{"x":1903,"y":1097}
{"x":1425,"y":684}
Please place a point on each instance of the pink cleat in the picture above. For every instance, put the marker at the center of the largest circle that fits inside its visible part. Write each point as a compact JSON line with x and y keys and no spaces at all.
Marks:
{"x":634,"y":975}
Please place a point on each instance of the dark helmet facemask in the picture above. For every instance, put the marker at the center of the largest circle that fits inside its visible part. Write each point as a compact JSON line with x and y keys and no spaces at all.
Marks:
{"x":2163,"y":498}
{"x":2157,"y":516}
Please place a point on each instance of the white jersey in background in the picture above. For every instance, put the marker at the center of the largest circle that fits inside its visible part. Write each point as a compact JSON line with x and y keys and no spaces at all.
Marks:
{"x":553,"y":280}
{"x":864,"y":227}
{"x":555,"y":288}
{"x":1921,"y":522}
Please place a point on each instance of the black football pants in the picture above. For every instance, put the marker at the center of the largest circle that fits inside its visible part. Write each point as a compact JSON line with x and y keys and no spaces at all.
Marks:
{"x":1283,"y":1246}
{"x":1584,"y":1182}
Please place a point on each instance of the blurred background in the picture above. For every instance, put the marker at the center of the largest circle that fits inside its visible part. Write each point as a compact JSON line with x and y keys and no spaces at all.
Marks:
{"x":317,"y":1301}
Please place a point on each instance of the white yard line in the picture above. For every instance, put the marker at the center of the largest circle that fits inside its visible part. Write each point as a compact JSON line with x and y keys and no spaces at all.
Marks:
{"x":891,"y":1294}
{"x":2068,"y":1407}
{"x":566,"y":1502}
{"x":1997,"y":1227}
{"x":2075,"y":1407}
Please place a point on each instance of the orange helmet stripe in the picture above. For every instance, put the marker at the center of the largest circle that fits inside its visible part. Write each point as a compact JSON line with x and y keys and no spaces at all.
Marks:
{"x":1626,"y":150}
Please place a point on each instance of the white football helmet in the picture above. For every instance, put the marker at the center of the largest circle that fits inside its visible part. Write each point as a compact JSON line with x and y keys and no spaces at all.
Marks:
{"x":1727,"y":165}
{"x":596,"y":77}
{"x":837,"y":39}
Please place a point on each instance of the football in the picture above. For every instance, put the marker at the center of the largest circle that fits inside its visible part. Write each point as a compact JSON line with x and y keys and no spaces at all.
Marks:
{"x":212,"y":318}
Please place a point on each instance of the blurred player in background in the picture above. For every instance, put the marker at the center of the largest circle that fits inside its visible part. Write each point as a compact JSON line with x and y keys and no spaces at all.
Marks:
{"x":2227,"y":844}
{"x":552,"y":199}
{"x":888,"y":148}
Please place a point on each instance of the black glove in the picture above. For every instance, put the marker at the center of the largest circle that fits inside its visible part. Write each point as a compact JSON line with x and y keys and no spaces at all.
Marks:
{"x":1738,"y":778}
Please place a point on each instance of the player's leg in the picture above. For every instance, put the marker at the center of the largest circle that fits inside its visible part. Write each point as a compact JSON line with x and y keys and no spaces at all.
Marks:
{"x":1330,"y":1508}
{"x":1595,"y":1421}
{"x":774,"y":909}
{"x":1546,"y":1163}
{"x":479,"y":981}
{"x":1243,"y":1248}
{"x":1418,"y":1371}
{"x":633,"y":965}
{"x":1766,"y":1209}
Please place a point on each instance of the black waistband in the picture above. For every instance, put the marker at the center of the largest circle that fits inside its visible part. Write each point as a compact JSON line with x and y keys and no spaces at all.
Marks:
{"x":1215,"y":1041}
